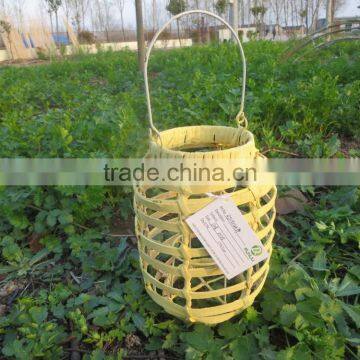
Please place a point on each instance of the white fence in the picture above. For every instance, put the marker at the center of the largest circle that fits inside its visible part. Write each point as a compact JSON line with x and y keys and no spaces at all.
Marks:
{"x":4,"y":55}
{"x":131,"y":45}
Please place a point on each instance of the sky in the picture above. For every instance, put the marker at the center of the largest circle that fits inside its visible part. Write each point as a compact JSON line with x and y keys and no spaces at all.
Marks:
{"x":33,"y":8}
{"x":350,"y":8}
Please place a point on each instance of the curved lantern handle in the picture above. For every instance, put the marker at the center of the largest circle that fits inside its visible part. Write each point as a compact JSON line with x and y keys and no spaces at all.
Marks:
{"x":240,"y":117}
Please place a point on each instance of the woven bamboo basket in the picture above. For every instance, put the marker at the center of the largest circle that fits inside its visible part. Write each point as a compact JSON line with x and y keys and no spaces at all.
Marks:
{"x":178,"y":272}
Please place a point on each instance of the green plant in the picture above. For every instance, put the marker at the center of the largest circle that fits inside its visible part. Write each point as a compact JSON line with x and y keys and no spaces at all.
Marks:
{"x":71,"y":285}
{"x":176,"y":7}
{"x":86,"y":37}
{"x":53,"y":7}
{"x":220,"y":6}
{"x":42,"y":54}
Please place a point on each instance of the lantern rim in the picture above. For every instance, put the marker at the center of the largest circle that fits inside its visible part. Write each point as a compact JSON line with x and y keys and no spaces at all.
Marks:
{"x":189,"y":141}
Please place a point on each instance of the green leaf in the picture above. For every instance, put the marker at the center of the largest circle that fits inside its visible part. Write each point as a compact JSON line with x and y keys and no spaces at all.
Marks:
{"x":155,"y":343}
{"x":139,"y":322}
{"x":65,"y":218}
{"x":98,"y":354}
{"x":262,"y":336}
{"x":353,"y":311}
{"x":15,"y":348}
{"x":333,"y":146}
{"x":355,"y":270}
{"x":288,"y":314}
{"x":105,"y":320}
{"x":319,"y":262}
{"x":58,"y":311}
{"x":272,"y":303}
{"x":38,"y":313}
{"x":291,"y":280}
{"x":244,"y":348}
{"x":354,"y":341}
{"x":59,"y":294}
{"x":51,"y":219}
{"x":7,"y":269}
{"x":11,"y":251}
{"x":304,"y":292}
{"x":297,"y":352}
{"x":19,"y":221}
{"x":347,"y":287}
{"x":330,"y":310}
{"x":52,"y":243}
{"x":230,"y":330}
{"x":193,"y":354}
{"x":309,"y":309}
{"x":200,"y":339}
{"x":43,"y":253}
{"x":251,"y":315}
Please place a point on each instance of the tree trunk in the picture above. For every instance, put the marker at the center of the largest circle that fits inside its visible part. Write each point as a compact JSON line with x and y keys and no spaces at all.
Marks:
{"x":140,"y":34}
{"x":235,"y":22}
{"x":10,"y":44}
{"x":198,"y":22}
{"x":330,"y":12}
{"x":242,"y":12}
{"x":78,"y":22}
{"x":82,"y":14}
{"x":122,"y":23}
{"x":178,"y":30}
{"x":154,"y":16}
{"x":315,"y":16}
{"x":57,"y":23}
{"x":329,"y":15}
{"x":285,"y":14}
{"x":51,"y":22}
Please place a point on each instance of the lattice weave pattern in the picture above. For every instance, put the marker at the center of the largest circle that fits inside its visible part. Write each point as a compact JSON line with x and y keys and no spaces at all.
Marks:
{"x":178,"y":272}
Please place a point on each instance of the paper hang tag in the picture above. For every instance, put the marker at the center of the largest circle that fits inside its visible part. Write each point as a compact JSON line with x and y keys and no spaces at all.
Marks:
{"x":227,"y":237}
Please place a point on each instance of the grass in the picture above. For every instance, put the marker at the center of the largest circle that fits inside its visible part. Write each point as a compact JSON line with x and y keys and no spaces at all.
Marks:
{"x":68,"y":288}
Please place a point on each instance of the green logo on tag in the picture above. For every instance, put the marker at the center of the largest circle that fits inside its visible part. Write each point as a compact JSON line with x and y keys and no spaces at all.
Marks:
{"x":256,"y":250}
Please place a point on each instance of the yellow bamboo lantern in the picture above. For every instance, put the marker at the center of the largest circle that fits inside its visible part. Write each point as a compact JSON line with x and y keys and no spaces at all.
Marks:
{"x":178,"y":272}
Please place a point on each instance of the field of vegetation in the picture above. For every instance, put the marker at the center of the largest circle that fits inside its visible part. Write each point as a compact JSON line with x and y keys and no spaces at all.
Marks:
{"x":69,"y":288}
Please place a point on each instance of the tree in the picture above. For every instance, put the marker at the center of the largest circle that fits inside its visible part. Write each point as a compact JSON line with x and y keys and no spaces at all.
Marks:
{"x":154,"y":9}
{"x":78,"y":10}
{"x":53,"y":7}
{"x":242,"y":12}
{"x":103,"y":16}
{"x":277,"y":9}
{"x":17,"y":7}
{"x":303,"y":14}
{"x":259,"y":12}
{"x":220,"y":6}
{"x":107,"y":4}
{"x":315,"y":14}
{"x":66,"y":9}
{"x":121,"y":5}
{"x":3,"y":7}
{"x":5,"y":28}
{"x":140,"y":34}
{"x":330,"y":11}
{"x":235,"y":8}
{"x":99,"y":16}
{"x":175,"y":7}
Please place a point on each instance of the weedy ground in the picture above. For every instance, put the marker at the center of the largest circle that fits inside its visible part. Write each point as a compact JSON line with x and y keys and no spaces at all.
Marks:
{"x":70,"y":289}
